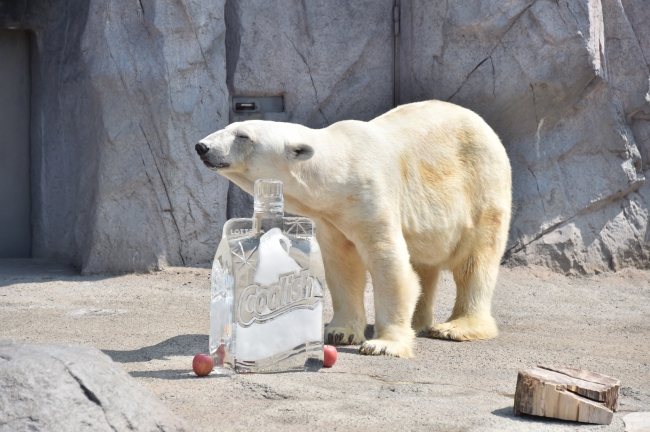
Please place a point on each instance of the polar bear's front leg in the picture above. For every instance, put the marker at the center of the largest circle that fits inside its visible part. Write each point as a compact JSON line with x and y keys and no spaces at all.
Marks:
{"x":346,"y":279}
{"x":396,"y":288}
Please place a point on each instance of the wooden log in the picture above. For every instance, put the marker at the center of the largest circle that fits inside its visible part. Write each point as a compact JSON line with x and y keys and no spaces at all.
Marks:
{"x":567,"y":394}
{"x":608,"y":392}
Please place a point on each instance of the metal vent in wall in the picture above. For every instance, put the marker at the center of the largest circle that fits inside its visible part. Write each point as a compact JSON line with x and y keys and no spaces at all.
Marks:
{"x":273,"y":104}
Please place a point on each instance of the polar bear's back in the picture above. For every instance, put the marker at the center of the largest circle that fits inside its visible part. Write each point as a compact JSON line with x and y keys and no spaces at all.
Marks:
{"x":454,"y":142}
{"x":440,"y":121}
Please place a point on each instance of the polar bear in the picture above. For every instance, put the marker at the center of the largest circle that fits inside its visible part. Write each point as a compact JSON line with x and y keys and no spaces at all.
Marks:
{"x":422,"y":188}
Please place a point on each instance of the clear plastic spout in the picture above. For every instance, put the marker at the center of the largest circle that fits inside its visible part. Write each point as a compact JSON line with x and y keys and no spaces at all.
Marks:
{"x":268,"y":196}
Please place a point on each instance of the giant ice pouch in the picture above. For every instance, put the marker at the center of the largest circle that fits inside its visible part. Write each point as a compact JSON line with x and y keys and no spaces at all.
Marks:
{"x":266,"y":310}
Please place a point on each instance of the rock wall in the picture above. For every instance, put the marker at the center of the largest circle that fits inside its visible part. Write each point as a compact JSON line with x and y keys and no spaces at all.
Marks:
{"x":330,"y":60}
{"x":158,"y":71}
{"x":565,"y":86}
{"x":123,"y":89}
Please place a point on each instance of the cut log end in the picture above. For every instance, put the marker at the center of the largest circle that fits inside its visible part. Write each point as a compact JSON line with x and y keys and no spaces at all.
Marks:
{"x":567,"y":394}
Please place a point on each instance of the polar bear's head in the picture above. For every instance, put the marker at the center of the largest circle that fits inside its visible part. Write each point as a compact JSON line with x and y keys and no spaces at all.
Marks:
{"x":246,"y":151}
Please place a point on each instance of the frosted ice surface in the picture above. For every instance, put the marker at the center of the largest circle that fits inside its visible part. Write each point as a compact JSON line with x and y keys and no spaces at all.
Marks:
{"x":273,"y":258}
{"x":317,"y":289}
{"x":260,"y":341}
{"x":219,"y":320}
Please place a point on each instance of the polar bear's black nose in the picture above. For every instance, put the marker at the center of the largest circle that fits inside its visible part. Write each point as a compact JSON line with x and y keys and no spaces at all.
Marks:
{"x":201,"y":149}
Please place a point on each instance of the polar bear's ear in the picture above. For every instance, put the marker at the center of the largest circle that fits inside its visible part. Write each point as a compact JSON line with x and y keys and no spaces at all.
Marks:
{"x":299,"y":152}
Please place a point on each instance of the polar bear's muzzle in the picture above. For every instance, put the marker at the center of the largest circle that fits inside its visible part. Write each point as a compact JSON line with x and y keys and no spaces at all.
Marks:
{"x":202,"y":150}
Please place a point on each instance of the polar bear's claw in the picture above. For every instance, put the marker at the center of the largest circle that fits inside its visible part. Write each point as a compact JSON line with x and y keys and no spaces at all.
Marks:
{"x":448,"y":334}
{"x":386,"y":347}
{"x":343,"y":336}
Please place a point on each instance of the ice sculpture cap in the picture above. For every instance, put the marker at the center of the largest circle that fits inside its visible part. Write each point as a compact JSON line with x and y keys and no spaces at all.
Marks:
{"x":268,"y":196}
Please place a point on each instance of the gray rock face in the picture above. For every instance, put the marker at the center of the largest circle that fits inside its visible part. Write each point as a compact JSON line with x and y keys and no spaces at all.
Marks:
{"x":330,"y":60}
{"x":157,"y":69}
{"x":565,"y":86}
{"x":74,"y":388}
{"x":122,"y":91}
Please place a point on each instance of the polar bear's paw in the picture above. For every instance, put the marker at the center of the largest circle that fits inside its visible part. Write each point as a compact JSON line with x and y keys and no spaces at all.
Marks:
{"x":422,"y":329}
{"x":465,"y":329}
{"x":343,"y":336}
{"x":386,"y":347}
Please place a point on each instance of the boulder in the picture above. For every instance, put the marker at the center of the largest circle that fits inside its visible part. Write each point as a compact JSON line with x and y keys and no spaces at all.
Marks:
{"x":74,"y":388}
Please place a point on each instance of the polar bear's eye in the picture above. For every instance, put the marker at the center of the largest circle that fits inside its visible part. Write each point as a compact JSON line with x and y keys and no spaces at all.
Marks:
{"x":242,"y":135}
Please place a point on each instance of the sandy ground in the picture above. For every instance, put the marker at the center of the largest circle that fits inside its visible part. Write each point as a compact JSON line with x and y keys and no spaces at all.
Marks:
{"x":154,"y":324}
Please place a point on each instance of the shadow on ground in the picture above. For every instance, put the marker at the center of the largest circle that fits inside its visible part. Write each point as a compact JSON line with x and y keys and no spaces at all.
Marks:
{"x":181,"y":345}
{"x":508,"y":412}
{"x":370,"y":331}
{"x":172,"y":374}
{"x":36,"y":270}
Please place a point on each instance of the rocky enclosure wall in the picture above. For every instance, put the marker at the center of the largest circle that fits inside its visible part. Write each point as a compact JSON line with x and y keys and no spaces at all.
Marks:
{"x":565,"y":85}
{"x":123,"y":89}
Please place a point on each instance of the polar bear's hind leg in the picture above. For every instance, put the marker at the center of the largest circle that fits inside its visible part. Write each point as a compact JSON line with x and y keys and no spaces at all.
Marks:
{"x":471,"y":317}
{"x":422,"y":321}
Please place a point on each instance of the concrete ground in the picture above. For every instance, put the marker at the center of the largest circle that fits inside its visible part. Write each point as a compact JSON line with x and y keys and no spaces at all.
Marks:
{"x":154,"y":324}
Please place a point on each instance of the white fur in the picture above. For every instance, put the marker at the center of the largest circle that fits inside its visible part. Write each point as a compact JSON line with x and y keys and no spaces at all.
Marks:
{"x":422,"y":188}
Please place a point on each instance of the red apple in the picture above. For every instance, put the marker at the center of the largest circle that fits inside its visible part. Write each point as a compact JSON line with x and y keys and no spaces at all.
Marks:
{"x":330,"y":356}
{"x":202,"y":364}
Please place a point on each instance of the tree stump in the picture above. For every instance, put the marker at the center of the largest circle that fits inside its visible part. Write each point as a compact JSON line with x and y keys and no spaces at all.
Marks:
{"x":567,"y":394}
